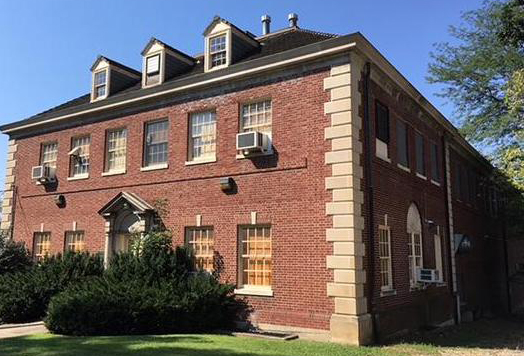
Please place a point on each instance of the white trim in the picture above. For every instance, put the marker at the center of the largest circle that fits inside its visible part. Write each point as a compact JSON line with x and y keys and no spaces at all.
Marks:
{"x":154,"y":167}
{"x":113,"y":173}
{"x":78,"y":177}
{"x":404,"y":168}
{"x":421,"y":176}
{"x":436,"y":183}
{"x":201,"y":161}
{"x":195,"y":85}
{"x":247,"y":290}
{"x":161,"y":67}
{"x":108,"y":73}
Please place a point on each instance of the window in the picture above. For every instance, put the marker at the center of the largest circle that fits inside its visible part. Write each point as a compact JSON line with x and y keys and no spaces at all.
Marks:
{"x":100,"y":85}
{"x":402,"y":143}
{"x":415,"y":256}
{"x":435,"y":166}
{"x":49,"y":152}
{"x":257,"y":117}
{"x":217,"y":51}
{"x":80,"y":156}
{"x":382,"y":123}
{"x":153,"y":69}
{"x":202,"y":138}
{"x":386,"y":273}
{"x":201,"y":242}
{"x":255,"y":257}
{"x":74,"y":241}
{"x":116,"y":147}
{"x":41,"y":245}
{"x":420,"y":154}
{"x":438,"y":256}
{"x":156,"y":143}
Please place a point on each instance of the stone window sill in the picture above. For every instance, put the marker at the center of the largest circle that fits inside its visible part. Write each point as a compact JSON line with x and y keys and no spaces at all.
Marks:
{"x":404,"y":168}
{"x":261,"y":292}
{"x":254,"y":155}
{"x":388,"y":292}
{"x":435,"y":182}
{"x":79,"y":177}
{"x":155,"y":167}
{"x":113,"y":173}
{"x":201,"y":161}
{"x":421,"y":176}
{"x":386,"y":159}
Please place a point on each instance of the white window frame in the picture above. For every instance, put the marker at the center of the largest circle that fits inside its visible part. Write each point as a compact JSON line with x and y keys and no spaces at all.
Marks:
{"x":78,"y":160}
{"x":161,"y":68}
{"x":96,"y":86}
{"x":146,"y":165}
{"x":197,"y":242}
{"x":211,"y":155}
{"x":249,"y":128}
{"x":385,"y":259}
{"x":412,"y":257}
{"x":208,"y":54}
{"x":44,"y":247}
{"x":108,"y":151}
{"x":254,"y":289}
{"x":46,"y":161}
{"x":437,"y":238}
{"x":74,"y":241}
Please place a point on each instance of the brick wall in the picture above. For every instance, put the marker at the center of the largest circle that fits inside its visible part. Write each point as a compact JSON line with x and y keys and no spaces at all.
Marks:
{"x":286,"y":190}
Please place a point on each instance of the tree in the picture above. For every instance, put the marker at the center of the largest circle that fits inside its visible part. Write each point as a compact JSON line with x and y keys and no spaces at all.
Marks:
{"x":483,"y":76}
{"x":14,"y":256}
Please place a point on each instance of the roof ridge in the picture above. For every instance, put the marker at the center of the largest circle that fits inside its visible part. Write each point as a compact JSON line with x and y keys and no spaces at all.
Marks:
{"x":294,"y":28}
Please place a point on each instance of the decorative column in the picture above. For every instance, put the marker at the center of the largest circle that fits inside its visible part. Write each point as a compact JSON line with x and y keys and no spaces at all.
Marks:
{"x":350,"y":323}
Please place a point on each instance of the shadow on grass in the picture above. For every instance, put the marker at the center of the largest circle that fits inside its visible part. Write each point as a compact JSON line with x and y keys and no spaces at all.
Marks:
{"x":484,"y":334}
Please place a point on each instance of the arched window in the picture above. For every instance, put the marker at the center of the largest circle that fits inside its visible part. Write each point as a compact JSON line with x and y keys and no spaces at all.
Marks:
{"x":414,"y":230}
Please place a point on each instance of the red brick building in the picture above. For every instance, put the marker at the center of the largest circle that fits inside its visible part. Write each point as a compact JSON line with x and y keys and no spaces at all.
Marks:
{"x":338,"y":210}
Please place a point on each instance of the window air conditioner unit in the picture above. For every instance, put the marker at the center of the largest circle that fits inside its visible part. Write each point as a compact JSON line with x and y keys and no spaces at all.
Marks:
{"x":425,"y":275}
{"x":43,"y":174}
{"x":252,"y":142}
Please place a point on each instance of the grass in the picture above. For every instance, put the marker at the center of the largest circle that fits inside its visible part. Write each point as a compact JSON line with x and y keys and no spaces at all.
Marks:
{"x":189,"y":345}
{"x":486,"y":337}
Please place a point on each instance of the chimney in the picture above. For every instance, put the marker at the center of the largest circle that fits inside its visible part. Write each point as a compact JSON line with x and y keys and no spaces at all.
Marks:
{"x":293,"y":19}
{"x":266,"y":22}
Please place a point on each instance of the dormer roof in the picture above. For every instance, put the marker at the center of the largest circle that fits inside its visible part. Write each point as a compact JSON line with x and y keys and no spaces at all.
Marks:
{"x":217,"y":19}
{"x":111,"y":62}
{"x":154,"y":41}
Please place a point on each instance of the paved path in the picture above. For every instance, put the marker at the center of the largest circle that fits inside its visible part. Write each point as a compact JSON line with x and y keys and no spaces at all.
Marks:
{"x":13,"y":330}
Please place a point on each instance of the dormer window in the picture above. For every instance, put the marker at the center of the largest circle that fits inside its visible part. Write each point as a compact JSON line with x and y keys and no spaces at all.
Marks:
{"x":153,"y":69}
{"x":100,"y":85}
{"x":218,"y":51}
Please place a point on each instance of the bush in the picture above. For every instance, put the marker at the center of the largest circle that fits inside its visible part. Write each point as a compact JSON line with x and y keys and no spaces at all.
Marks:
{"x":14,"y":256}
{"x":24,"y":296}
{"x":105,"y":306}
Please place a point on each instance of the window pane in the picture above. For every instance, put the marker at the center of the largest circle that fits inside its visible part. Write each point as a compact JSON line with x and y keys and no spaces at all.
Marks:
{"x":255,"y":258}
{"x":49,"y":154}
{"x":402,"y":144}
{"x":100,"y":90}
{"x":382,"y":123}
{"x":257,"y":117}
{"x":74,"y":241}
{"x":217,"y":44}
{"x":116,"y":150}
{"x":156,"y":143}
{"x":80,"y":161}
{"x":100,"y":78}
{"x":201,"y":242}
{"x":386,"y":275}
{"x":203,"y":135}
{"x":41,"y":245}
{"x":153,"y":64}
{"x":419,"y":151}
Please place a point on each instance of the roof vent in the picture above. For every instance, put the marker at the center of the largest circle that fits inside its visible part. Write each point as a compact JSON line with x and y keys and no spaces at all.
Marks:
{"x":293,"y":19}
{"x":266,"y":22}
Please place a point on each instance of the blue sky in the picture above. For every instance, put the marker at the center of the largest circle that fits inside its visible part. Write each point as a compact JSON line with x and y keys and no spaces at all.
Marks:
{"x":47,"y":47}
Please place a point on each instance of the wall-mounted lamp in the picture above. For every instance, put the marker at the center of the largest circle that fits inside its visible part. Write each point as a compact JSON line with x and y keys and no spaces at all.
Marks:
{"x":227,"y":184}
{"x":59,"y":200}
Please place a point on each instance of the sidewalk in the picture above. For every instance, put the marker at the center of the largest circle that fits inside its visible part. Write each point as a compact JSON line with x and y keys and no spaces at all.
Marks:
{"x":13,"y":330}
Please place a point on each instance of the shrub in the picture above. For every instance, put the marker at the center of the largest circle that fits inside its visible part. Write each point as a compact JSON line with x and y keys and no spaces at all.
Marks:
{"x":14,"y":256}
{"x":24,"y":296}
{"x":105,"y":306}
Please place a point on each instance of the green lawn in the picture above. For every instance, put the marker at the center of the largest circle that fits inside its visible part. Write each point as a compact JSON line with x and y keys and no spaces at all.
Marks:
{"x":188,"y":345}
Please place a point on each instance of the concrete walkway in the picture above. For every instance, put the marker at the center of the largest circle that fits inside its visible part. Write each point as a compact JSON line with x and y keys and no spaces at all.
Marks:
{"x":13,"y":330}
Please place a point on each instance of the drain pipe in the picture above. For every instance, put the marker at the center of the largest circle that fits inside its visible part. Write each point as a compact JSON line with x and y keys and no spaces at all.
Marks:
{"x":370,"y":248}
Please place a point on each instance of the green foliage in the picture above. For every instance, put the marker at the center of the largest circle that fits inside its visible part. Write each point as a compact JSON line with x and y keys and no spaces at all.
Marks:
{"x":512,"y":17}
{"x":24,"y":295}
{"x":105,"y":306}
{"x":14,"y":256}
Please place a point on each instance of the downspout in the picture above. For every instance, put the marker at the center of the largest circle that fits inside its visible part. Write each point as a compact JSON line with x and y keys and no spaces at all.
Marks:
{"x":370,"y":248}
{"x":449,"y":217}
